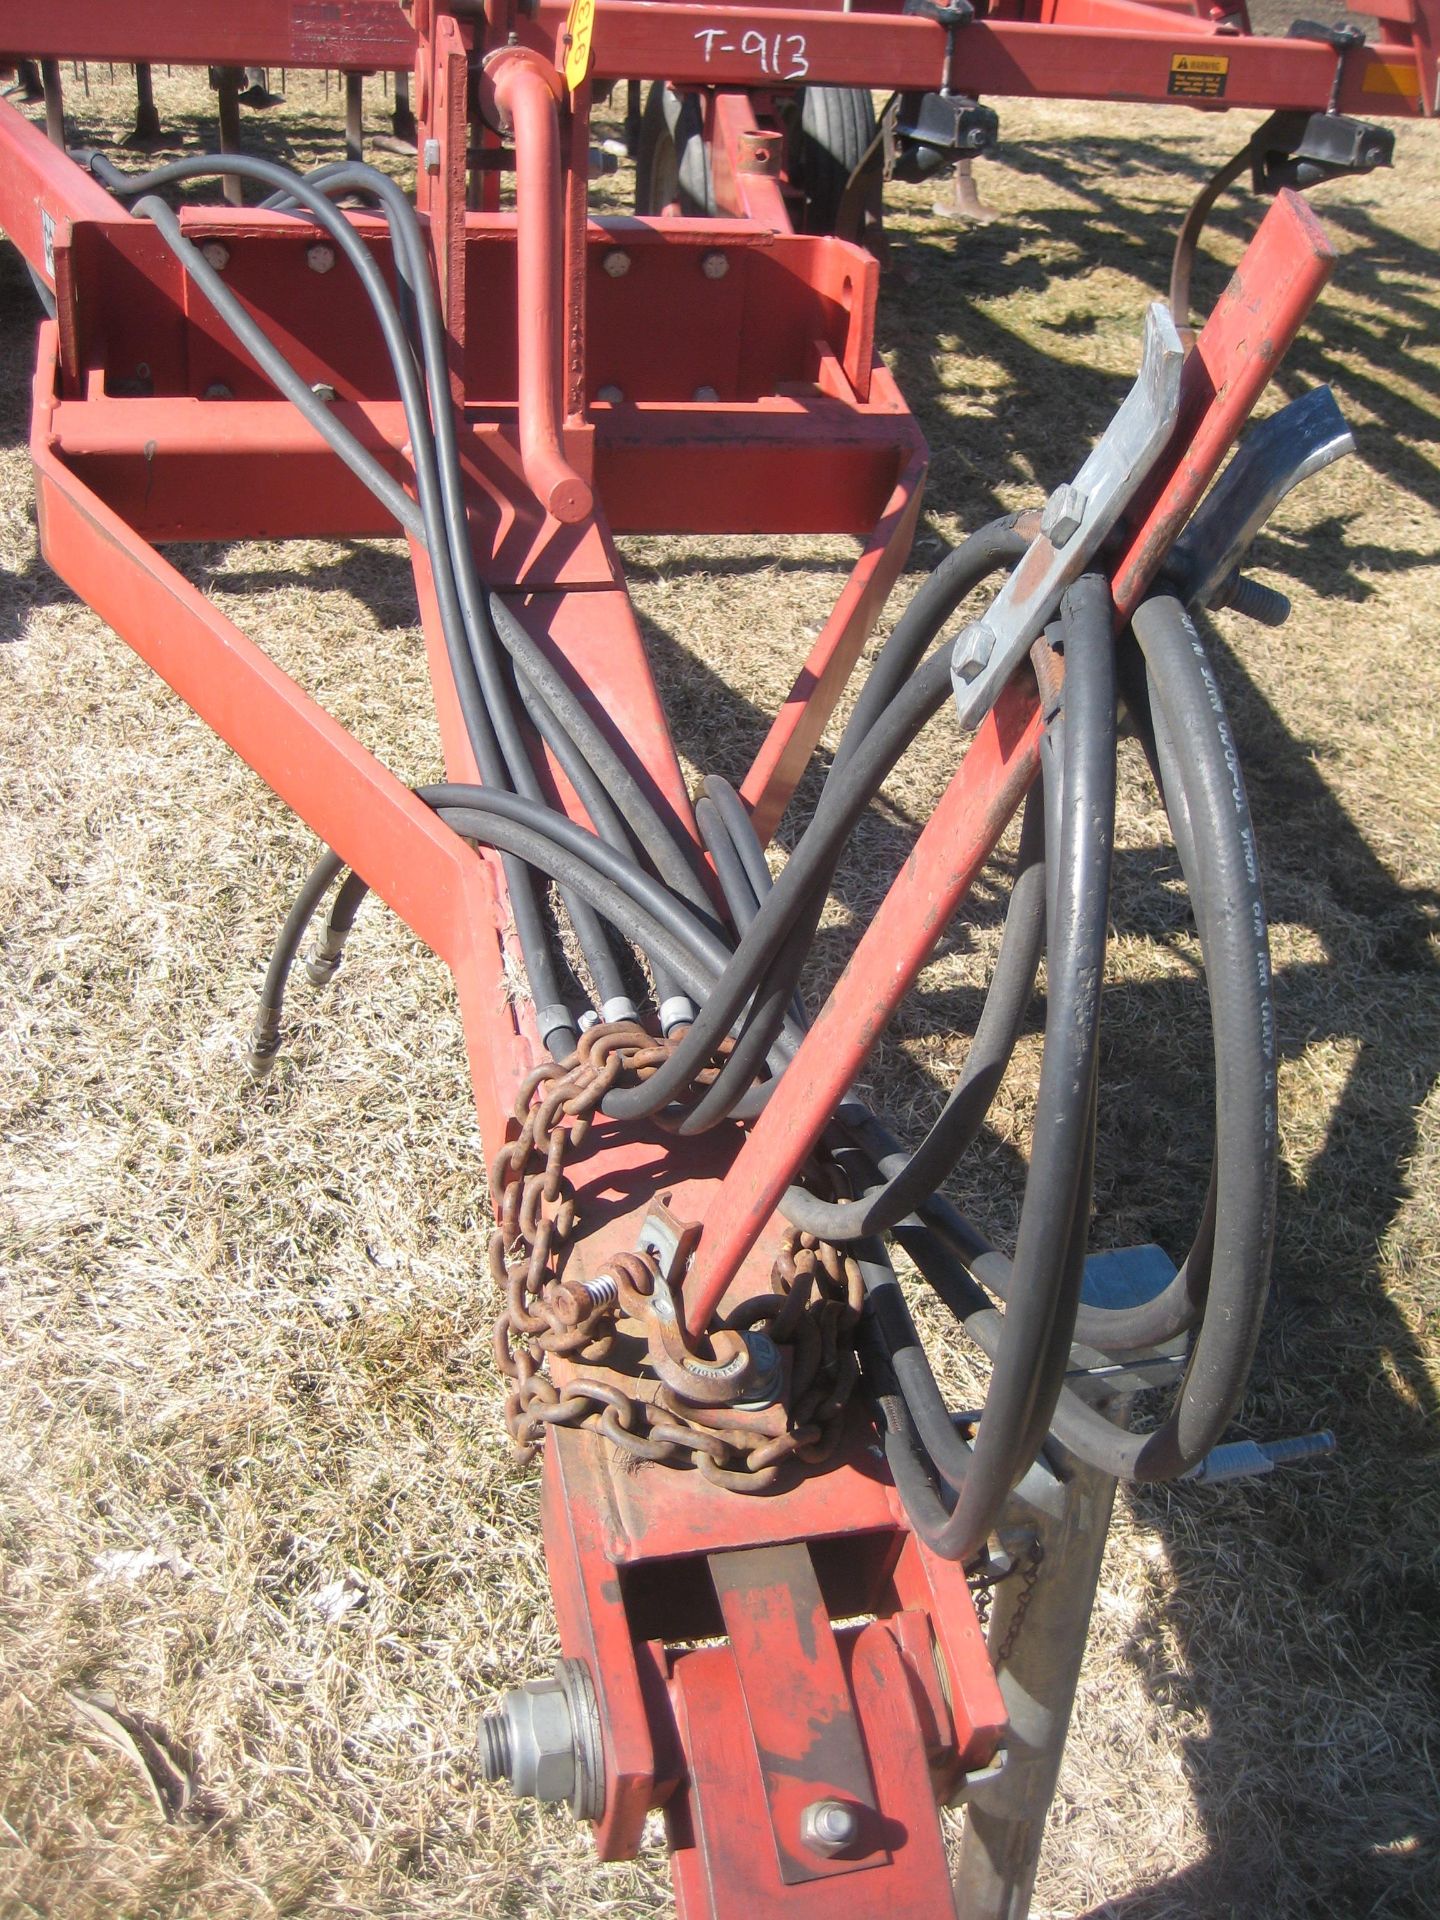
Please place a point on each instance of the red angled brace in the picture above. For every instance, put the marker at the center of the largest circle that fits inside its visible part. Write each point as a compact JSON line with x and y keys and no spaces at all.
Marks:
{"x":1273,"y":288}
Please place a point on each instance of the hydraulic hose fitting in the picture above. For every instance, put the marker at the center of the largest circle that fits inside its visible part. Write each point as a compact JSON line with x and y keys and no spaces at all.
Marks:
{"x":678,"y":1011}
{"x":322,"y":962}
{"x":265,"y":1041}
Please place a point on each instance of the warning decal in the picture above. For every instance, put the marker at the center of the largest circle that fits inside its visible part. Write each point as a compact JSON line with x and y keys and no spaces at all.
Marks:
{"x":1198,"y":76}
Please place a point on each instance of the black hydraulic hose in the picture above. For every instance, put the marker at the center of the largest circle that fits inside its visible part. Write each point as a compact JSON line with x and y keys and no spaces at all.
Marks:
{"x":1051,"y":1371}
{"x":662,"y":840}
{"x":894,"y":677}
{"x":577,"y":723}
{"x":257,"y":343}
{"x":740,"y":899}
{"x":1235,"y":944}
{"x":593,"y":795}
{"x":576,"y":858}
{"x":329,"y":949}
{"x":807,"y":872}
{"x":413,"y":274}
{"x":762,"y":1026}
{"x":1007,"y":999}
{"x":604,"y":815}
{"x":420,"y":520}
{"x":893,"y":1327}
{"x":1117,"y":1330}
{"x":729,"y":838}
{"x":735,"y":817}
{"x":949,"y":1251}
{"x":265,"y":1038}
{"x":424,"y":523}
{"x":555,"y":845}
{"x":991,"y":547}
{"x":1054,"y":1186}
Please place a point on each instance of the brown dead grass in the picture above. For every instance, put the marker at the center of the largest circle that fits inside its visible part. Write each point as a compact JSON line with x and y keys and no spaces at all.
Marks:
{"x":247,"y":1331}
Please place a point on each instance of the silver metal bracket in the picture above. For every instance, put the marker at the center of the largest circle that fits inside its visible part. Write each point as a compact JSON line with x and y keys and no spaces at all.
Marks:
{"x":1076,"y":520}
{"x":1272,"y":460}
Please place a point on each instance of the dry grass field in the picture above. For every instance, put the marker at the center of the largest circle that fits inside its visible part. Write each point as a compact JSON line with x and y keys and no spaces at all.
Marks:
{"x":253,"y":1482}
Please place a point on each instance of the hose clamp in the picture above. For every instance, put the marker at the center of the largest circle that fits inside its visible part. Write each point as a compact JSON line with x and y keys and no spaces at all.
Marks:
{"x":1077,"y":518}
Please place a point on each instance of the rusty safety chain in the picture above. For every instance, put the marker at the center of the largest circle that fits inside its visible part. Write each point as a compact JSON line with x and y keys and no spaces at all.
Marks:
{"x":988,"y":1576}
{"x":611,"y":1353}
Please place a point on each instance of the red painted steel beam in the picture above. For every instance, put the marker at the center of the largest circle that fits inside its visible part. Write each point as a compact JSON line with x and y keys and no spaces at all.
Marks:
{"x":1273,"y":288}
{"x":423,"y":870}
{"x":953,"y":846}
{"x":768,"y":47}
{"x":363,"y":34}
{"x":42,"y":193}
{"x":795,"y":732}
{"x":526,"y":89}
{"x":1282,"y":274}
{"x":183,"y":469}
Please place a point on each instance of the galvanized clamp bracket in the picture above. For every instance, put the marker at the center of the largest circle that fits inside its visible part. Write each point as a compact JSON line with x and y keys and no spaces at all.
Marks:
{"x":1076,"y":520}
{"x":1271,"y":461}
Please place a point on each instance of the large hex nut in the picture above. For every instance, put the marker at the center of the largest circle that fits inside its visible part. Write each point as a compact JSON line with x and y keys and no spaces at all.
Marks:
{"x":542,"y":1740}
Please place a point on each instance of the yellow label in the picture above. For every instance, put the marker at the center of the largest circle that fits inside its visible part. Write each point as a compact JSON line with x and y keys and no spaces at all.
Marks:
{"x":1382,"y":77}
{"x":579,"y":39}
{"x":1198,"y":76}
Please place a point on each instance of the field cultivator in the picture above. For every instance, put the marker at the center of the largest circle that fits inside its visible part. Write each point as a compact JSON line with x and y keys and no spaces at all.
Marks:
{"x":766,"y":1530}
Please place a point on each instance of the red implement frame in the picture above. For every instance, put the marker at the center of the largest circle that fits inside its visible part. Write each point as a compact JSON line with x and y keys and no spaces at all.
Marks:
{"x":808,"y":433}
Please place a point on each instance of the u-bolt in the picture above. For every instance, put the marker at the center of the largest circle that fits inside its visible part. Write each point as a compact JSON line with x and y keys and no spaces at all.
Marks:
{"x":524,"y":90}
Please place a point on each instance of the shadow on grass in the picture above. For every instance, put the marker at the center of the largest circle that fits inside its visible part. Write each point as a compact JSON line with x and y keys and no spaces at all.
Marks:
{"x":958,"y":282}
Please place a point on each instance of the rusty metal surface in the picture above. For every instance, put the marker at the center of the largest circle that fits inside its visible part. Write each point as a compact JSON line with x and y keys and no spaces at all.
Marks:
{"x":745,"y":1403}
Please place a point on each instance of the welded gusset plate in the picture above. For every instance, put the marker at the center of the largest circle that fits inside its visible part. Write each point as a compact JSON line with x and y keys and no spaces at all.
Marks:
{"x":1272,"y":460}
{"x":1076,"y":520}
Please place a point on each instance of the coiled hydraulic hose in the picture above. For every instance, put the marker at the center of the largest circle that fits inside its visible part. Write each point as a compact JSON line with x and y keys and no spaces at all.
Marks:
{"x":731,"y":978}
{"x":1045,"y":1288}
{"x":1221,"y":1287}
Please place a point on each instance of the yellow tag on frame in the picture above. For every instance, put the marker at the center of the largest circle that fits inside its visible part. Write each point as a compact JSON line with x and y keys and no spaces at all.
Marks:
{"x":579,"y":40}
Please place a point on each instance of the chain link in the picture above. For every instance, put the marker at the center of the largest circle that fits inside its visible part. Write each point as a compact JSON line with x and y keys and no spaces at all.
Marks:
{"x":987,"y":1578}
{"x":573,"y":1352}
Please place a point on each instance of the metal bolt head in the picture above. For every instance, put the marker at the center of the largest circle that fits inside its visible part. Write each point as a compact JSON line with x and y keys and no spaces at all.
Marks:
{"x":714,"y":266}
{"x":828,"y":1827}
{"x":705,"y":393}
{"x":215,"y":255}
{"x":217,"y":390}
{"x":1064,"y":511}
{"x":320,"y":259}
{"x":612,"y":396}
{"x":971,"y":655}
{"x":616,"y":263}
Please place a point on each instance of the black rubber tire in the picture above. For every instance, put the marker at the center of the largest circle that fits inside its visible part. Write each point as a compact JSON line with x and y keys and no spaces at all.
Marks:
{"x":836,"y":127}
{"x":673,"y":162}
